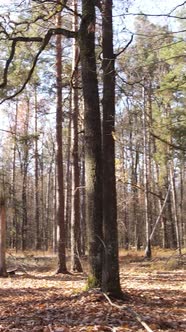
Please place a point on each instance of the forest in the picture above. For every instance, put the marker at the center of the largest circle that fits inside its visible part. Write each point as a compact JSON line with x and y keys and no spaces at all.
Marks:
{"x":92,"y":166}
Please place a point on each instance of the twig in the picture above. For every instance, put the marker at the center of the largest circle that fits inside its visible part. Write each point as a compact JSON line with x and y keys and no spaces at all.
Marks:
{"x":50,"y":328}
{"x":123,"y":50}
{"x":174,"y":146}
{"x":161,"y":212}
{"x":134,"y":313}
{"x":175,"y":8}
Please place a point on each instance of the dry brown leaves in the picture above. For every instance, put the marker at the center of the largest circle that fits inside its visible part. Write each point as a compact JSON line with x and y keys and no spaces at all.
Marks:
{"x":58,"y":303}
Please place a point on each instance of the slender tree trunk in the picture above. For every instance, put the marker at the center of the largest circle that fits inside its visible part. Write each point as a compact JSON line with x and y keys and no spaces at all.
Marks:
{"x":174,"y":201}
{"x":181,"y":212}
{"x":15,"y":225}
{"x":68,"y":196}
{"x":37,"y":217}
{"x":160,"y":214}
{"x":110,"y":282}
{"x":55,"y":216}
{"x":75,"y":214}
{"x":93,"y":151}
{"x":3,"y":272}
{"x":82,"y":202}
{"x":24,"y":210}
{"x":49,"y":205}
{"x":149,"y":152}
{"x":145,"y":176}
{"x":136,"y":203}
{"x":59,"y":157}
{"x":24,"y":183}
{"x":163,"y":218}
{"x":42,"y":200}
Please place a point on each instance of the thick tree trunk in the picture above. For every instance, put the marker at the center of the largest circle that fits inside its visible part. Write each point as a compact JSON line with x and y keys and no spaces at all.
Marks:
{"x":59,"y":157}
{"x":110,"y":282}
{"x":93,"y":151}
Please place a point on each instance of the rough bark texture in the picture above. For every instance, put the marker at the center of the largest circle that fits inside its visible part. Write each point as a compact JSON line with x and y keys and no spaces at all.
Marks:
{"x":15,"y":212}
{"x":59,"y":157}
{"x":93,"y":151}
{"x":75,"y":215}
{"x":25,"y":181}
{"x":111,"y":281}
{"x":148,"y":252}
{"x":37,"y":212}
{"x":3,"y":272}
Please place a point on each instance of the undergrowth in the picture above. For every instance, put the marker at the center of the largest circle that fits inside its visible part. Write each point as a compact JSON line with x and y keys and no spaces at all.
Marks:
{"x":133,"y":260}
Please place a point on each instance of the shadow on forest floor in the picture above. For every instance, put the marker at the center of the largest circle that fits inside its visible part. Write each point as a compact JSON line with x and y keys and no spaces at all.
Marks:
{"x":36,"y":299}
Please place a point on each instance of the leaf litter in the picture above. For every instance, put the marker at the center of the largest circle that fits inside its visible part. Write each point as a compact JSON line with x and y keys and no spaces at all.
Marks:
{"x":45,"y":302}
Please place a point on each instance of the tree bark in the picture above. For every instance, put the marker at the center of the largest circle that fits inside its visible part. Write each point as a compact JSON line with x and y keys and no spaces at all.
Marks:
{"x":110,"y":282}
{"x":145,"y":177}
{"x":174,"y":205}
{"x":25,"y":179}
{"x":93,"y":150}
{"x":37,"y":214}
{"x":59,"y":157}
{"x":3,"y":272}
{"x":75,"y":212}
{"x":15,"y":212}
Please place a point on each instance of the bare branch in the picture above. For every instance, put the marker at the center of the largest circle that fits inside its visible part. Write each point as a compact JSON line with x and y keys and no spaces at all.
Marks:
{"x":129,"y":83}
{"x":134,"y":313}
{"x":160,"y":214}
{"x":45,"y":41}
{"x":169,"y":14}
{"x":182,"y":4}
{"x":64,"y":32}
{"x":163,"y":34}
{"x":174,"y":146}
{"x":63,"y":5}
{"x":8,"y":131}
{"x":123,"y":50}
{"x":140,"y":188}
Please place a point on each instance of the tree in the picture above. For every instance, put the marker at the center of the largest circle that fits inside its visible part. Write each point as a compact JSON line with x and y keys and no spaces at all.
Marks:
{"x":75,"y":203}
{"x":93,"y":143}
{"x":3,"y":271}
{"x":158,"y":99}
{"x":59,"y":156}
{"x":14,"y":218}
{"x":25,"y":141}
{"x":37,"y":210}
{"x":149,"y":135}
{"x":110,"y":282}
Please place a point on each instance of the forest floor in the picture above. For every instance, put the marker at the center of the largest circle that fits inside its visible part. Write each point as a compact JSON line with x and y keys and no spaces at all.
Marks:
{"x":36,"y":299}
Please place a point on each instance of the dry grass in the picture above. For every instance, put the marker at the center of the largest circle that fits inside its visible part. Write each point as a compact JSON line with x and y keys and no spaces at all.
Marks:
{"x":131,"y":260}
{"x":162,"y":259}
